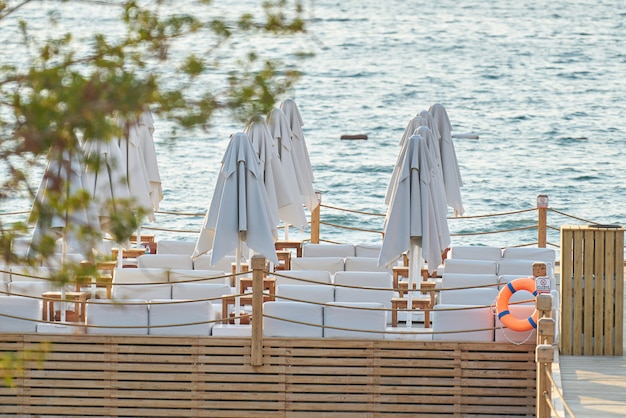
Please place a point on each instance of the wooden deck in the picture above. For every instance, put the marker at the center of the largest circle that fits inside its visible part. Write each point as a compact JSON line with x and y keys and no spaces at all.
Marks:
{"x":594,"y":386}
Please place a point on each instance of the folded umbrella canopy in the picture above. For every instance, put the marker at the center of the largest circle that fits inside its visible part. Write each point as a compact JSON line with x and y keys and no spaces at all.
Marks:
{"x":283,"y":195}
{"x":450,"y":166}
{"x":413,"y":220}
{"x":302,"y":161}
{"x":239,"y":210}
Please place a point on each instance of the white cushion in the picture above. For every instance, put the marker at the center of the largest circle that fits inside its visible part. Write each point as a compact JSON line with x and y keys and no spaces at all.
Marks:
{"x":165,"y":261}
{"x":30,"y":274}
{"x":232,"y":330}
{"x":117,"y":318}
{"x":374,"y":287}
{"x":453,"y":265}
{"x":367,"y":250}
{"x":547,"y":255}
{"x":145,"y":291}
{"x":484,"y":296}
{"x":35,"y":289}
{"x":140,"y":275}
{"x":475,"y":252}
{"x":198,"y":276}
{"x":4,"y":288}
{"x":5,"y":274}
{"x":56,"y":261}
{"x":507,"y":335}
{"x":520,"y":267}
{"x":313,"y":293}
{"x":364,"y":264}
{"x":328,"y":250}
{"x":27,"y":309}
{"x":447,"y":318}
{"x":293,"y":276}
{"x":361,"y":319}
{"x":176,"y":247}
{"x":452,"y":280}
{"x":296,"y":311}
{"x":162,"y":312}
{"x":413,"y":334}
{"x":203,"y":262}
{"x":330,"y":264}
{"x":195,"y":291}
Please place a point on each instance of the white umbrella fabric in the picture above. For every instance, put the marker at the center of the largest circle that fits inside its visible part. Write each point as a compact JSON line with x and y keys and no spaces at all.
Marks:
{"x":450,"y":166}
{"x":239,"y":208}
{"x":142,"y":172}
{"x":283,"y":197}
{"x":64,"y":175}
{"x":302,"y":161}
{"x":409,"y":131}
{"x":412,"y":220}
{"x":105,"y":178}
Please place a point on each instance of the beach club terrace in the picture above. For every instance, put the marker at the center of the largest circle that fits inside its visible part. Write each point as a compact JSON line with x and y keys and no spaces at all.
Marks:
{"x":167,"y":334}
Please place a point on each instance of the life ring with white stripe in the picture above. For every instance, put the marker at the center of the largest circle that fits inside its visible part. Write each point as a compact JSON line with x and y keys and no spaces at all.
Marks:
{"x":502,"y":305}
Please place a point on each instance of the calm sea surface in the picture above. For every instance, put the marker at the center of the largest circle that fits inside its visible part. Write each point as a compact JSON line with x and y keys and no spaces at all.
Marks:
{"x":541,"y":83}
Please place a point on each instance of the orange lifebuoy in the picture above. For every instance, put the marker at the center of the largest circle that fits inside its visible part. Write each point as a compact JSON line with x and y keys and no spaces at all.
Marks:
{"x":502,"y":305}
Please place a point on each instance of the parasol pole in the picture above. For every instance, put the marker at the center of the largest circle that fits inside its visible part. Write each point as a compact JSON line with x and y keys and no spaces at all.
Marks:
{"x":237,"y":271}
{"x":415,"y":261}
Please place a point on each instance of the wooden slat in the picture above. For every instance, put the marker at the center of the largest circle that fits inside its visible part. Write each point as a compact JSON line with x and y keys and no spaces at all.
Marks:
{"x":566,"y":287}
{"x":579,"y":266}
{"x":600,"y":283}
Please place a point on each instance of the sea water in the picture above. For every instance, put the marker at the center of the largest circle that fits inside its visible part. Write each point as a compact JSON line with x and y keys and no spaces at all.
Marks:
{"x":541,"y":84}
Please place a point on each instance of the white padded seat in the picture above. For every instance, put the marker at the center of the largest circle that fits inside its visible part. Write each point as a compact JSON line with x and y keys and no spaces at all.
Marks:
{"x":294,"y":311}
{"x":35,"y":289}
{"x":28,"y":311}
{"x":140,"y":275}
{"x":515,"y":266}
{"x":4,"y":288}
{"x":484,"y":296}
{"x":194,"y":291}
{"x":294,"y":276}
{"x":5,"y":274}
{"x":203,"y":262}
{"x":475,"y":252}
{"x":452,"y":280}
{"x":165,"y":261}
{"x":330,"y":264}
{"x":367,"y":250}
{"x":445,"y":319}
{"x":30,"y":274}
{"x":517,"y":337}
{"x":162,"y":312}
{"x":232,"y":330}
{"x":56,"y":260}
{"x":176,"y":247}
{"x":366,"y":320}
{"x":364,"y":264}
{"x":144,"y":291}
{"x":453,"y":265}
{"x":380,"y":286}
{"x":328,"y":250}
{"x":313,"y":293}
{"x":413,"y":334}
{"x":130,"y":318}
{"x":209,"y":291}
{"x":547,"y":255}
{"x":198,"y":276}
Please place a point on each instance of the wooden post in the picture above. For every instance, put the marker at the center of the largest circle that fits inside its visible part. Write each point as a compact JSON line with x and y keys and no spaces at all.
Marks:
{"x":542,"y":222}
{"x":315,"y":220}
{"x":544,"y":353}
{"x":258,"y":265}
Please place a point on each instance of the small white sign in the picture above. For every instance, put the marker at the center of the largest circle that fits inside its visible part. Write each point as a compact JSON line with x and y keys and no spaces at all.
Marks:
{"x":543,"y":284}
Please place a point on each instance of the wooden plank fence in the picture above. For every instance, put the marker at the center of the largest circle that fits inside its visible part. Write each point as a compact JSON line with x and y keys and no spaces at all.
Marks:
{"x":137,"y":376}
